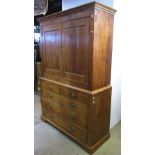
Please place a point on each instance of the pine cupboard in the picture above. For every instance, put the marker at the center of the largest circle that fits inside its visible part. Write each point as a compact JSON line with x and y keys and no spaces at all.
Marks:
{"x":76,"y":53}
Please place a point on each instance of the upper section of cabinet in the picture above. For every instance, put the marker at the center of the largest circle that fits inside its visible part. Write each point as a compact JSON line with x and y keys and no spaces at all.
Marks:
{"x":76,"y":46}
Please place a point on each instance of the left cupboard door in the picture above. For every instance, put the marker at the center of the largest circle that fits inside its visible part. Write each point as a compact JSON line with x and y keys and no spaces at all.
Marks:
{"x":51,"y":50}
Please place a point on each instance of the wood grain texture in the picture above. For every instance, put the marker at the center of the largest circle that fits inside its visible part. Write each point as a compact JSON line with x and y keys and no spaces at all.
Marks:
{"x":102,"y":51}
{"x":67,"y":115}
{"x":51,"y":51}
{"x":85,"y":7}
{"x":76,"y":88}
{"x":76,"y":51}
{"x":70,"y":127}
{"x":99,"y":116}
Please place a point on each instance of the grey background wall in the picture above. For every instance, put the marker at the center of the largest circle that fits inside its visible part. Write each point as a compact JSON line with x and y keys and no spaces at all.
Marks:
{"x":116,"y":73}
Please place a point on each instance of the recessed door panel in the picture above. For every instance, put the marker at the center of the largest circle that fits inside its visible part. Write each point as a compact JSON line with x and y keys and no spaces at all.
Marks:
{"x":52,"y":49}
{"x":75,"y":48}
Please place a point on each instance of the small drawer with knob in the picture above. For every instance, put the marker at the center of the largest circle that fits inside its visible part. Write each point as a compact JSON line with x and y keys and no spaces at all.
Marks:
{"x":74,"y":95}
{"x":47,"y":95}
{"x":49,"y":86}
{"x":77,"y":120}
{"x":72,"y":129}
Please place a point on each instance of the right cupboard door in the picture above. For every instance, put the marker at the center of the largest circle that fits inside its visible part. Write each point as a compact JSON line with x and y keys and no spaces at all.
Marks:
{"x":75,"y":50}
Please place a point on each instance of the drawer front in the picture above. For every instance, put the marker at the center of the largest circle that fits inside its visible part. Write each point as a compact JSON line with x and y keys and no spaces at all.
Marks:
{"x":59,"y":120}
{"x":67,"y":114}
{"x":75,"y":95}
{"x":48,"y":86}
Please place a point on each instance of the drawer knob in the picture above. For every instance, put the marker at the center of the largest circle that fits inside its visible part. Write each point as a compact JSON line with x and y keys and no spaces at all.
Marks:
{"x":50,"y":105}
{"x":52,"y":117}
{"x":61,"y":104}
{"x":72,"y":129}
{"x":72,"y":105}
{"x":50,"y":87}
{"x":72,"y":118}
{"x":73,"y":95}
{"x":50,"y":94}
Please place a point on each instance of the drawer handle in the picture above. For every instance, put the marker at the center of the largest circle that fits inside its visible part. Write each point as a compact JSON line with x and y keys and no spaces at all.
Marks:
{"x":50,"y":87}
{"x":73,"y":118}
{"x":61,"y":104}
{"x":72,"y":129}
{"x":72,"y":105}
{"x":52,"y":117}
{"x":50,"y":105}
{"x":73,"y":95}
{"x":50,"y":94}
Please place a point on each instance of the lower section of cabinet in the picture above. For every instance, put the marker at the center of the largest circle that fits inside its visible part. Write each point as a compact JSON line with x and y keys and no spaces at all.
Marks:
{"x":87,"y":148}
{"x":82,"y":115}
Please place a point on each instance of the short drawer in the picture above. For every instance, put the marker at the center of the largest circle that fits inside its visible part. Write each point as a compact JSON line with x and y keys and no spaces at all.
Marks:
{"x":67,"y":114}
{"x":51,"y":87}
{"x":75,"y":95}
{"x":71,"y":128}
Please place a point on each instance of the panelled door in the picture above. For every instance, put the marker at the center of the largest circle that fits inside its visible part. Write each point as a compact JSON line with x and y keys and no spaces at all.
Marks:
{"x":52,"y":49}
{"x":75,"y":48}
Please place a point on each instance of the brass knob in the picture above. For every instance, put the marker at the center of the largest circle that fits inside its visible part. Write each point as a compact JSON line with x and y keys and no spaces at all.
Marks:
{"x":52,"y":117}
{"x":72,"y":129}
{"x":50,"y":87}
{"x":61,"y":104}
{"x":50,"y":94}
{"x":72,"y":117}
{"x":51,"y":106}
{"x":73,"y":95}
{"x":72,"y":105}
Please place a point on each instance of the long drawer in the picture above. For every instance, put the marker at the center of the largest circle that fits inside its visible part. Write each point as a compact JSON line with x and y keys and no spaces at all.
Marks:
{"x":59,"y":120}
{"x":67,"y":114}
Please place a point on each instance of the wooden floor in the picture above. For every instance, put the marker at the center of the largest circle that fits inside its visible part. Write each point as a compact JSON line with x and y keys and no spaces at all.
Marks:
{"x":50,"y":141}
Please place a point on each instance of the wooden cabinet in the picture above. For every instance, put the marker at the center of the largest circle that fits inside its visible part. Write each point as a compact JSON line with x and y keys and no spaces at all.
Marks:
{"x":76,"y":51}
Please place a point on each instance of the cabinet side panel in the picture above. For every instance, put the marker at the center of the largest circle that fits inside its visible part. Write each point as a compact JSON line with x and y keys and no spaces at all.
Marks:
{"x":99,"y":117}
{"x":103,"y":34}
